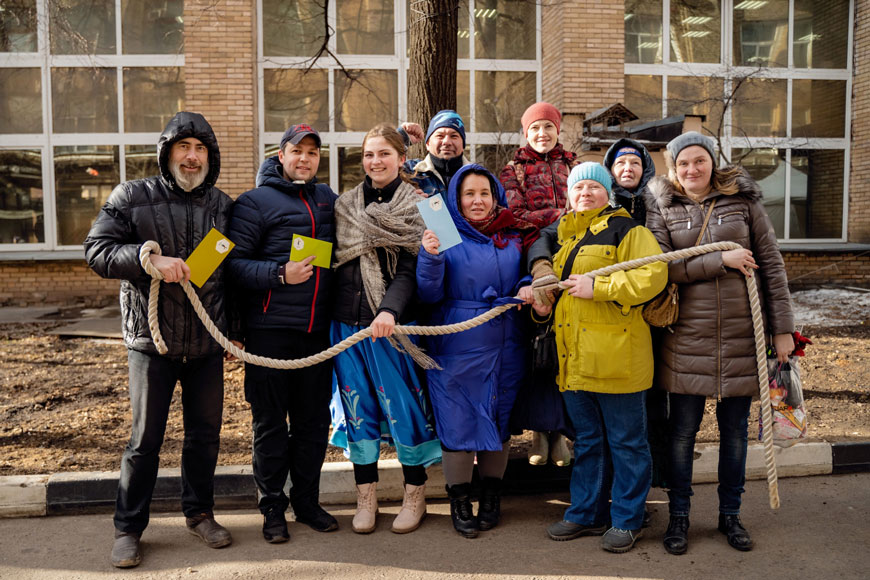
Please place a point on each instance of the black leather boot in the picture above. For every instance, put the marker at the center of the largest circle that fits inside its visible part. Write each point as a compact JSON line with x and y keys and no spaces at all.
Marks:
{"x":676,"y":538}
{"x":489,"y":510}
{"x":738,"y":537}
{"x":461,"y":511}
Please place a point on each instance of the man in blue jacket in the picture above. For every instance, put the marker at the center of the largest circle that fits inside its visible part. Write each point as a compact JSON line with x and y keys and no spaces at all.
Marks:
{"x":445,"y":146}
{"x":285,"y":313}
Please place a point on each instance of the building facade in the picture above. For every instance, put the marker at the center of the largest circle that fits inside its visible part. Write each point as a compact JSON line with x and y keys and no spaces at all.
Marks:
{"x":86,"y":86}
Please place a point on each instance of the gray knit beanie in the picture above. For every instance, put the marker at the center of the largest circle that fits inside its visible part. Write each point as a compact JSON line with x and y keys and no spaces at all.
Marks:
{"x":692,"y":138}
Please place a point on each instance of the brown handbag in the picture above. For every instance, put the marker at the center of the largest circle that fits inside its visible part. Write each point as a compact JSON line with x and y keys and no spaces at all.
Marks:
{"x":664,"y":309}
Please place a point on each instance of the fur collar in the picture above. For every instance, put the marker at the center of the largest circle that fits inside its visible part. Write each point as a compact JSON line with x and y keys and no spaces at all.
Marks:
{"x":661,"y":191}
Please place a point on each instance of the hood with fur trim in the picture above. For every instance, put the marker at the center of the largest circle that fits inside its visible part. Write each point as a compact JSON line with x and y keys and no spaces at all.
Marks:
{"x":661,"y":191}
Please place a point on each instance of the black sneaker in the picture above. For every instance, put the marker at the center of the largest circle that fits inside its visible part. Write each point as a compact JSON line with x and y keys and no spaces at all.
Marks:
{"x":565,"y":530}
{"x":275,"y":526}
{"x":618,"y":540}
{"x":316,"y":518}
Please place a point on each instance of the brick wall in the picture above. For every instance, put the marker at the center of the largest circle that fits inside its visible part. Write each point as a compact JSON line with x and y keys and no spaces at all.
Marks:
{"x":221,"y":82}
{"x":583,"y":65}
{"x":67,"y":282}
{"x":859,"y":185}
{"x":809,"y":268}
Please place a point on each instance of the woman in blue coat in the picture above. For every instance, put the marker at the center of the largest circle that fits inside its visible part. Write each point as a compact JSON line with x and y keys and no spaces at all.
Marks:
{"x":483,"y":368}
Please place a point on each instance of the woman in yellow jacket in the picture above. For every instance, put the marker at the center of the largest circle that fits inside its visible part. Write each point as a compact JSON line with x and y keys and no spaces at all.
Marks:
{"x":605,"y":356}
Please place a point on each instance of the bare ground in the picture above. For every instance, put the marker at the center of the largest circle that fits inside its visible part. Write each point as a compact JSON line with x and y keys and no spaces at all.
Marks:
{"x":64,"y":404}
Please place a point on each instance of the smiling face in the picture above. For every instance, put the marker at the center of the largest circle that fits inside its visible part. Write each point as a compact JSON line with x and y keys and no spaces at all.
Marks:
{"x":381,"y":161}
{"x":475,"y":197}
{"x":188,"y":163}
{"x":627,"y":171}
{"x":542,"y":136}
{"x":445,"y":143}
{"x":300,"y":161}
{"x":694,"y":170}
{"x":587,"y":194}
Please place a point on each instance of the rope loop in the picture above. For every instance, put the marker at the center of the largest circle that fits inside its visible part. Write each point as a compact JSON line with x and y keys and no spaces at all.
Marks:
{"x":150,"y":247}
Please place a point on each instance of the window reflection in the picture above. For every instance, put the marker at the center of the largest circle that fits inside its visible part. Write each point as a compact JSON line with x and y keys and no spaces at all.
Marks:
{"x":350,"y":169}
{"x":322,"y":169}
{"x":697,"y":96}
{"x":463,"y":95}
{"x":84,"y":178}
{"x":494,"y":157}
{"x":759,"y":107}
{"x":695,"y":34}
{"x":768,"y":168}
{"x":821,"y":33}
{"x":150,"y":27}
{"x":462,"y":34}
{"x":293,"y":96}
{"x":18,"y":26}
{"x":293,"y":27}
{"x":82,"y":26}
{"x":140,"y":161}
{"x":504,"y":29}
{"x":365,"y":27}
{"x":761,"y":33}
{"x":643,"y":31}
{"x":500,"y":99}
{"x":21,"y":200}
{"x":643,"y":96}
{"x":20,"y":100}
{"x":152,"y":96}
{"x":371,"y":97}
{"x":84,"y":100}
{"x":818,"y":108}
{"x":816,"y":193}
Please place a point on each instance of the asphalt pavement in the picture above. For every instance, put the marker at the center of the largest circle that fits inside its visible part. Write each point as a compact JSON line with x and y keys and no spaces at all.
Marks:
{"x":821,"y":531}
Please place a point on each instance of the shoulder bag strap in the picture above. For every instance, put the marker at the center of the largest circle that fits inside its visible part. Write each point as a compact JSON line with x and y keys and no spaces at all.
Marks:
{"x":706,"y":221}
{"x":569,"y":263}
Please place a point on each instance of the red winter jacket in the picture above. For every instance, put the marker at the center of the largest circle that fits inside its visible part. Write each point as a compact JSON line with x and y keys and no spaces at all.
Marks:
{"x":536,"y":184}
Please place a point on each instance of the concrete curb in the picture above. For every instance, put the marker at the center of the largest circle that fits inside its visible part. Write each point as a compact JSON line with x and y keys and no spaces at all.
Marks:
{"x":94,"y":492}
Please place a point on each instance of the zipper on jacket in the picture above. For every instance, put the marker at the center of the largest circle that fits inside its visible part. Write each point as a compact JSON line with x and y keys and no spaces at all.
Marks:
{"x":719,"y":340}
{"x":316,"y":269}
{"x":553,"y":179}
{"x":188,"y":306}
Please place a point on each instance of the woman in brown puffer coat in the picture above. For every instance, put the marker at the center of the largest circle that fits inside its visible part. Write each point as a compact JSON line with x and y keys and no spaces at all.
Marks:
{"x":711,"y":349}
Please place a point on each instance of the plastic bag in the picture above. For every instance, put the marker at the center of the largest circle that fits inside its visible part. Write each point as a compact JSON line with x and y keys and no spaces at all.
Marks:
{"x":787,"y":402}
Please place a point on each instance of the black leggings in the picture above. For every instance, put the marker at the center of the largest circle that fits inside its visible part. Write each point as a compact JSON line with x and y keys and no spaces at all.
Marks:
{"x":368,"y":473}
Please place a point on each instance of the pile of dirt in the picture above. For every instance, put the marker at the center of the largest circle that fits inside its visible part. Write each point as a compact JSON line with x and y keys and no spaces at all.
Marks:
{"x":64,"y":403}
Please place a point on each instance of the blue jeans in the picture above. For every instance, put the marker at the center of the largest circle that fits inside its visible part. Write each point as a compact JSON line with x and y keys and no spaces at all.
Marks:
{"x":152,"y":381}
{"x":610,"y":430}
{"x":732,"y":415}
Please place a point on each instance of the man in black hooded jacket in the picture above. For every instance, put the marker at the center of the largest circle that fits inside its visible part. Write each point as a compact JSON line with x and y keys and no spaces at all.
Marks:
{"x":176,"y":209}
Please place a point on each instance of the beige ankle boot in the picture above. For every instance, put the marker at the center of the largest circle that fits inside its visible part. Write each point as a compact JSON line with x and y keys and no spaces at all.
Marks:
{"x":559,"y":452}
{"x":366,"y":508}
{"x":538,"y":454}
{"x":413,"y":509}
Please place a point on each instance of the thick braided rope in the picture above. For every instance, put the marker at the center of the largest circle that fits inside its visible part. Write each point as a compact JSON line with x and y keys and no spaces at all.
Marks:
{"x":755,"y":306}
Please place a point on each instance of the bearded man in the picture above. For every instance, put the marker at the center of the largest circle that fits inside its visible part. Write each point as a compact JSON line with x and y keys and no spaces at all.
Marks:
{"x":177,"y":209}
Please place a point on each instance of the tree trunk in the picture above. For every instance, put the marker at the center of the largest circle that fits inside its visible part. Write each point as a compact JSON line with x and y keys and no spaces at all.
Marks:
{"x":432,"y":67}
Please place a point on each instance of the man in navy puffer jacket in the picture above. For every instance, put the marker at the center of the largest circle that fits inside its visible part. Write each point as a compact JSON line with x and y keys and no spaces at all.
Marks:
{"x":286,"y":316}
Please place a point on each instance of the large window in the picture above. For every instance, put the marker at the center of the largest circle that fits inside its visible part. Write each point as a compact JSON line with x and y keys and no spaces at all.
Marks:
{"x":498,"y":75}
{"x":85,"y":89}
{"x":772,"y":78}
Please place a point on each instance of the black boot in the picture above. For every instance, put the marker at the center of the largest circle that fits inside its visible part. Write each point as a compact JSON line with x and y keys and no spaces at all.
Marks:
{"x":738,"y":537}
{"x":489,"y":509}
{"x":676,"y":538}
{"x":461,"y":511}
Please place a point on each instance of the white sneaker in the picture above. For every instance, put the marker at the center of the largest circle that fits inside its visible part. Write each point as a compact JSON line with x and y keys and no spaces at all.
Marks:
{"x":538,"y":454}
{"x":559,"y":453}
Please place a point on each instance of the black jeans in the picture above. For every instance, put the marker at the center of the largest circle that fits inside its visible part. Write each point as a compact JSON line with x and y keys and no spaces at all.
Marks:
{"x":152,"y":382}
{"x":300,"y":395}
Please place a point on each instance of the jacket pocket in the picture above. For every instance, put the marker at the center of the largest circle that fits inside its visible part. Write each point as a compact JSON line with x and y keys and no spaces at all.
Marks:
{"x":602,"y":351}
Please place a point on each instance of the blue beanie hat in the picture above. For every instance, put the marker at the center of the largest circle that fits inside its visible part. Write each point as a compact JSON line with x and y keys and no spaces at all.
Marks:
{"x":590,"y":170}
{"x":446,"y":118}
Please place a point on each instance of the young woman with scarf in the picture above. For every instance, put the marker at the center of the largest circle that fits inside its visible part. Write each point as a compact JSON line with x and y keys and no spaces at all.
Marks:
{"x":482,"y":368}
{"x":378,"y":229}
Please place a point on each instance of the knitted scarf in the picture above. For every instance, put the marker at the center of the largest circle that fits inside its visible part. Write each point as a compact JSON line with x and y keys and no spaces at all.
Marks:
{"x":392,"y":226}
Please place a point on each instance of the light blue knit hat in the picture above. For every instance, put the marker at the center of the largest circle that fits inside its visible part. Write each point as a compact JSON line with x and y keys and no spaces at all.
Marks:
{"x":590,"y":170}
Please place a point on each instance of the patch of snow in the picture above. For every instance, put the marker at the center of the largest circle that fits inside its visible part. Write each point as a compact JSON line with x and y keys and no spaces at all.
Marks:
{"x":830,"y":307}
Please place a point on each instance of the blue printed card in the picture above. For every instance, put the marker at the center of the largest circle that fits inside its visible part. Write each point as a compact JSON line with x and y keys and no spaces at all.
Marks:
{"x":438,"y":219}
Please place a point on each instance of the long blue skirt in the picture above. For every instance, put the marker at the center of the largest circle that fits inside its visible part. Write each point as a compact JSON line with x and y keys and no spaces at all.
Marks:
{"x":382,"y":395}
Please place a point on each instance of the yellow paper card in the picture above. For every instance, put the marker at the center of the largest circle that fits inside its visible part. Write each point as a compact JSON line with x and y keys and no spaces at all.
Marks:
{"x":303,"y":246}
{"x":207,"y":256}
